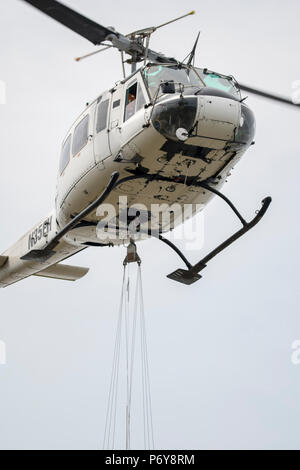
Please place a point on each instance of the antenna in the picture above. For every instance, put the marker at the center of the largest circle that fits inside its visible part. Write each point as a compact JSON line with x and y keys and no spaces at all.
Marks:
{"x":192,"y":53}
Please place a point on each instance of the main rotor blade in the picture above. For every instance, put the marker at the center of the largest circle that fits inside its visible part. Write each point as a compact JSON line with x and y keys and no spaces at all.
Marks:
{"x":94,"y":32}
{"x":270,"y":96}
{"x":82,"y":25}
{"x":176,"y":19}
{"x":78,"y":59}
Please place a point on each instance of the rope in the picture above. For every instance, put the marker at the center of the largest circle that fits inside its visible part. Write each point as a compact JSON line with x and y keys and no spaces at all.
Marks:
{"x":112,"y":397}
{"x":129,"y":334}
{"x":127,"y":361}
{"x":148,"y":418}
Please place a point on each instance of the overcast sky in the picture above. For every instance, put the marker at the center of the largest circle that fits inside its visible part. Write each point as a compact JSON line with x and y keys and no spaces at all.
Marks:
{"x":220,"y":350}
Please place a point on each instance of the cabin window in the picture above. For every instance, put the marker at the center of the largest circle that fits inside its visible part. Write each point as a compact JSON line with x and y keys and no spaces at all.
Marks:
{"x":65,"y":155}
{"x":80,"y":137}
{"x":130,"y":103}
{"x":102,"y":115}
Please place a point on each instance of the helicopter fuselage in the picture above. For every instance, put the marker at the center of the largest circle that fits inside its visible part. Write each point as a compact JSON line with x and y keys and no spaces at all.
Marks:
{"x":139,"y":141}
{"x":178,"y":133}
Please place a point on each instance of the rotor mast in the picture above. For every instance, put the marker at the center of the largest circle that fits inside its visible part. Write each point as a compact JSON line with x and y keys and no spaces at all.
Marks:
{"x":136,"y":45}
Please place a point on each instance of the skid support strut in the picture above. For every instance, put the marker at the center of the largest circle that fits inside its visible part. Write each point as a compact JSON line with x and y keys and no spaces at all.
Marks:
{"x":48,"y":251}
{"x":185,"y":276}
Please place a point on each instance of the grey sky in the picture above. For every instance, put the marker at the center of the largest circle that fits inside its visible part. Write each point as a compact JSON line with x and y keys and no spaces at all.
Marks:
{"x":220,"y":350}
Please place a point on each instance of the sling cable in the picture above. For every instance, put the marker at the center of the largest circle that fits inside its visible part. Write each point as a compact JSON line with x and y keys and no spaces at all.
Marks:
{"x":130,"y":333}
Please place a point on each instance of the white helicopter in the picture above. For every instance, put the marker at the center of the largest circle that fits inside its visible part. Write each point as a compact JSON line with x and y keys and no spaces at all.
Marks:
{"x":168,"y":133}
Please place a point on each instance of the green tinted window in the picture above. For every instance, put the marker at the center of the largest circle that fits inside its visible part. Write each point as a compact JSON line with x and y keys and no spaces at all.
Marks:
{"x":219,"y":82}
{"x":156,"y":74}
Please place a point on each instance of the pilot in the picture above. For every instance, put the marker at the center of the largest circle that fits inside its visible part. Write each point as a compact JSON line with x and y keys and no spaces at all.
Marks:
{"x":130,"y":108}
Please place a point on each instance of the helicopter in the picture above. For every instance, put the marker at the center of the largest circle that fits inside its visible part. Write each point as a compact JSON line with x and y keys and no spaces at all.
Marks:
{"x":166,"y":135}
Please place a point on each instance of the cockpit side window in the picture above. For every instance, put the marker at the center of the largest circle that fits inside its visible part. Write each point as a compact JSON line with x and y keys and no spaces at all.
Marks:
{"x":102,"y":115}
{"x":130,"y":102}
{"x":135,"y":100}
{"x":65,"y":155}
{"x":140,"y":98}
{"x":80,"y":137}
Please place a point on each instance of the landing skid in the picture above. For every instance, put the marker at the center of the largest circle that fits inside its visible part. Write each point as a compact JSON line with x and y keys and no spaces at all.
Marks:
{"x":185,"y":276}
{"x":191,"y":275}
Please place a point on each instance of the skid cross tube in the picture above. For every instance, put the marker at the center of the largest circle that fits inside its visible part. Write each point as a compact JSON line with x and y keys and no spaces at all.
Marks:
{"x":46,"y":253}
{"x":174,"y":247}
{"x":222,"y":196}
{"x":188,"y":276}
{"x":191,"y":275}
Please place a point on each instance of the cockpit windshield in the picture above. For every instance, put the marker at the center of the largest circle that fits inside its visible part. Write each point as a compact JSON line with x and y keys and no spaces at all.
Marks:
{"x":219,"y":82}
{"x":156,"y":74}
{"x":186,"y":80}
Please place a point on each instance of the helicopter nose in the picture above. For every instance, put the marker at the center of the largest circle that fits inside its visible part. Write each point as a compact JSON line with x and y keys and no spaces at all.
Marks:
{"x":246,"y":131}
{"x":222,"y":116}
{"x":175,"y":114}
{"x":218,"y":115}
{"x":212,"y":114}
{"x":212,"y":118}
